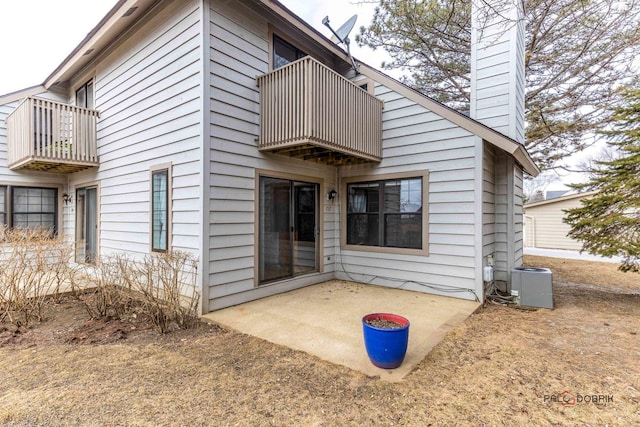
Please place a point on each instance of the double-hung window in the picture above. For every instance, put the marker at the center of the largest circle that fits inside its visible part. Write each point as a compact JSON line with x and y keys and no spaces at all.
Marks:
{"x":29,"y":207}
{"x":387,"y":213}
{"x":160,"y":209}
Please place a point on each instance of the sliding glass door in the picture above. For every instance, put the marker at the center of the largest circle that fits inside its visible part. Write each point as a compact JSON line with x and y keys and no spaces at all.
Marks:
{"x":288,"y":228}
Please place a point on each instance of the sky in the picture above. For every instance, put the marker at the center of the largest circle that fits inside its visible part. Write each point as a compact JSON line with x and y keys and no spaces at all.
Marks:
{"x":37,"y":35}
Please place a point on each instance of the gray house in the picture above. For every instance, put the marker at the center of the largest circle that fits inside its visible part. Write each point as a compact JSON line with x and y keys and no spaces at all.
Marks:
{"x":236,"y":131}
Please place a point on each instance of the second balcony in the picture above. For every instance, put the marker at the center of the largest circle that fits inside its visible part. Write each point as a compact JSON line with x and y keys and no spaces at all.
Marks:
{"x":48,"y":136}
{"x":310,"y":112}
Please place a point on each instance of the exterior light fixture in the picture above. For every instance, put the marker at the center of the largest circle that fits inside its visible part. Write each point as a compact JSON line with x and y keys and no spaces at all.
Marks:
{"x":332,"y":194}
{"x":66,"y":198}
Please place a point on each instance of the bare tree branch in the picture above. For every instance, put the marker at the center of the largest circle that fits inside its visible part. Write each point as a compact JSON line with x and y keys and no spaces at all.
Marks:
{"x":578,"y":53}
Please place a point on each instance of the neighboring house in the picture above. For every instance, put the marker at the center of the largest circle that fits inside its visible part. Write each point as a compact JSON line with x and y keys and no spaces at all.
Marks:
{"x":544,"y":225}
{"x":203,"y":126}
{"x":555,"y":194}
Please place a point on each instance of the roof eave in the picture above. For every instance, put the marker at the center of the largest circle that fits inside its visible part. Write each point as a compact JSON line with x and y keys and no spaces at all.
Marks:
{"x":97,"y":39}
{"x":517,"y":150}
{"x":21,"y":94}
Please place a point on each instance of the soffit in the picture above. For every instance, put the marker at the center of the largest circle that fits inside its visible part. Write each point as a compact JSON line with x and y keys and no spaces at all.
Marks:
{"x":121,"y":17}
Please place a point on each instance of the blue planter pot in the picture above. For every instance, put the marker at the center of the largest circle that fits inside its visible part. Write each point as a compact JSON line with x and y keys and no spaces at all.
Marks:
{"x":386,"y":348}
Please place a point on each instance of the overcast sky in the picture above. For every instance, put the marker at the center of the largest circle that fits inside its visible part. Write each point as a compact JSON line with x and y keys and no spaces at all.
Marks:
{"x":37,"y":35}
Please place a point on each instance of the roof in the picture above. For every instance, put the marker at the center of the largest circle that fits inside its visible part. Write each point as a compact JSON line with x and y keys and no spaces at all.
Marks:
{"x":125,"y":13}
{"x":22,"y":93}
{"x":562,"y":199}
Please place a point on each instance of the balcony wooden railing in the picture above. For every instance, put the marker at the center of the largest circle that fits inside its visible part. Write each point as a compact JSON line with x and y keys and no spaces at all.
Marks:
{"x":51,"y":136}
{"x":311,"y":112}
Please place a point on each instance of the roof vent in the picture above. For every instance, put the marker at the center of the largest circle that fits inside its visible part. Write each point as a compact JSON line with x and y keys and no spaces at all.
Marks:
{"x":130,"y":12}
{"x":88,"y":52}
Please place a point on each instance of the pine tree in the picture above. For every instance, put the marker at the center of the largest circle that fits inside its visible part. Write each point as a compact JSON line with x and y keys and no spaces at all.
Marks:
{"x":608,"y":223}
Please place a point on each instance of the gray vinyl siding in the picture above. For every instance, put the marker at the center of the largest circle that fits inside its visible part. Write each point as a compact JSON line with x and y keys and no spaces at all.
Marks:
{"x":498,"y":77}
{"x":509,"y":217}
{"x":416,"y":139}
{"x":147,"y":90}
{"x":5,"y":173}
{"x":518,"y":216}
{"x":488,"y":201}
{"x":239,"y":53}
{"x":503,"y":212}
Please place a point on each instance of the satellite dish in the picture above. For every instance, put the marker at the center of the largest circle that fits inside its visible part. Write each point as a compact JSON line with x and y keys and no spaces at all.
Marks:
{"x":341,"y":35}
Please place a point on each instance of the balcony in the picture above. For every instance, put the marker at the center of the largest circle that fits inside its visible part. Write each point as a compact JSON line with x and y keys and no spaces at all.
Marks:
{"x":50,"y":136}
{"x":310,"y":112}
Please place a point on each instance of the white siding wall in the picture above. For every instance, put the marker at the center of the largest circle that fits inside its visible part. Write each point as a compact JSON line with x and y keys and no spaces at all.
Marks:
{"x":415,"y":139}
{"x":239,"y":53}
{"x":149,"y":98}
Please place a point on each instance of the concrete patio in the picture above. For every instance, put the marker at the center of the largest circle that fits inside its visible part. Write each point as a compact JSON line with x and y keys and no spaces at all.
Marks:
{"x":325,"y":320}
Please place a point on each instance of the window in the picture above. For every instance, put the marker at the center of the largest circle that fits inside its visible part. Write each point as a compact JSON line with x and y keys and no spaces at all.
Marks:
{"x":3,"y":206}
{"x":284,"y":52}
{"x":160,"y":210}
{"x":386,"y":213}
{"x":367,"y":85}
{"x":84,"y":95}
{"x":29,"y":207}
{"x":34,"y":207}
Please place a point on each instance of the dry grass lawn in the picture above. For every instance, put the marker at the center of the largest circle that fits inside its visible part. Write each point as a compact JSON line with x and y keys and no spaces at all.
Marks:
{"x":494,"y":369}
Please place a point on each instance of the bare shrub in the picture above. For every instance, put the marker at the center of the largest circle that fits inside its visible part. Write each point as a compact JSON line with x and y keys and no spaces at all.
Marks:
{"x":108,"y":298}
{"x":34,"y":265}
{"x":161,"y":287}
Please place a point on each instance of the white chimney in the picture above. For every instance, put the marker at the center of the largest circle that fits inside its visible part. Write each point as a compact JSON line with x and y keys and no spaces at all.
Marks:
{"x":497,"y":66}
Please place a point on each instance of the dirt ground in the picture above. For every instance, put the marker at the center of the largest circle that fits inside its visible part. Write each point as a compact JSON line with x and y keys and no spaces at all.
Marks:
{"x":502,"y":366}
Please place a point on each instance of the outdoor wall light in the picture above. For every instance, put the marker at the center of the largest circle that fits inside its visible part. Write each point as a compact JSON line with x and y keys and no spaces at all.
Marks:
{"x":66,"y":198}
{"x":332,"y":194}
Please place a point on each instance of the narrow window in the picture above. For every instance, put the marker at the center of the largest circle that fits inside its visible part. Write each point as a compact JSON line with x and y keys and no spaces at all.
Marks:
{"x":3,"y":206}
{"x":84,"y":95}
{"x":284,"y":52}
{"x":160,"y":210}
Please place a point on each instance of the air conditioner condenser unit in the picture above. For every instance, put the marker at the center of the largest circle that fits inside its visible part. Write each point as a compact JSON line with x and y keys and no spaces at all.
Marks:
{"x":532,"y":286}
